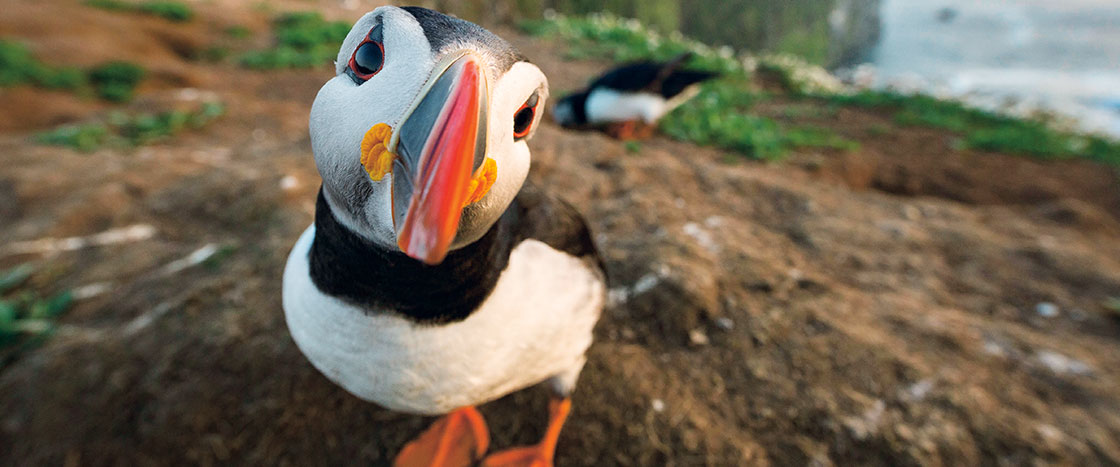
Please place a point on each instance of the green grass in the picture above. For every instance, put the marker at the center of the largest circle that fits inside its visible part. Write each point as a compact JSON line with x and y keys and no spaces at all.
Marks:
{"x":130,"y":130}
{"x":113,"y":81}
{"x":238,"y":32}
{"x":18,"y":66}
{"x":604,"y":36}
{"x":983,"y":130}
{"x":719,"y":115}
{"x":170,"y":10}
{"x":27,"y":315}
{"x":116,"y":81}
{"x":303,"y":40}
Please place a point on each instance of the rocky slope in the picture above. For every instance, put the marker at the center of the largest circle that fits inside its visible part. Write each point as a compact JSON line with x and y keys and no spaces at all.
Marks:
{"x":879,"y":306}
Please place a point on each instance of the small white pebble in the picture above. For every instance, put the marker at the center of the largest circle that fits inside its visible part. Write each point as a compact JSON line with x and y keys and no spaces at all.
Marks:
{"x":993,"y":348}
{"x":189,"y":94}
{"x":725,"y":323}
{"x":1049,"y":432}
{"x":618,"y":295}
{"x":714,"y":221}
{"x":658,"y":405}
{"x":1046,"y":309}
{"x":1062,"y":364}
{"x":644,"y":284}
{"x":289,"y":183}
{"x":90,"y":290}
{"x":698,"y":337}
{"x":918,"y":391}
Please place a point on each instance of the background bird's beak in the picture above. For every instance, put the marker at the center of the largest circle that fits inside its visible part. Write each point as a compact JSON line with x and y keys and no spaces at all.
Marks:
{"x":441,"y":142}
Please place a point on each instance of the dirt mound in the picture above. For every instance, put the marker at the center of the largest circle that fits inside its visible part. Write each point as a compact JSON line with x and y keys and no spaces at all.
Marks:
{"x":762,"y":314}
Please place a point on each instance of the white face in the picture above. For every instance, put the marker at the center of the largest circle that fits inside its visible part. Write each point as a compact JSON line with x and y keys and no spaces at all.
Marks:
{"x":347,"y":107}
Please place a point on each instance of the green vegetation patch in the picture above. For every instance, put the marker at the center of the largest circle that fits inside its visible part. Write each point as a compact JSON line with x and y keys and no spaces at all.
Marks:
{"x":303,"y":40}
{"x":984,"y":130}
{"x":130,"y":130}
{"x":170,"y":10}
{"x":18,"y":66}
{"x":27,"y":315}
{"x":116,"y":81}
{"x":604,"y":36}
{"x":113,"y":81}
{"x":719,"y":115}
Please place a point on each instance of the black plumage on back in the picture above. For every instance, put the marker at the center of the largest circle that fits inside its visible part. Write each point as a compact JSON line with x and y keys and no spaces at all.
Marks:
{"x":665,"y":79}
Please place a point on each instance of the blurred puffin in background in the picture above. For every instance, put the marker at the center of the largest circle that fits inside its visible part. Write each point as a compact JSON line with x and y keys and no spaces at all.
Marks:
{"x":626,"y":102}
{"x":433,"y":278}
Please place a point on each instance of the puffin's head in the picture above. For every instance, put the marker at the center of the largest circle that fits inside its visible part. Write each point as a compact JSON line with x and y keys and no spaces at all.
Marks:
{"x":565,"y":113}
{"x":421,"y":136}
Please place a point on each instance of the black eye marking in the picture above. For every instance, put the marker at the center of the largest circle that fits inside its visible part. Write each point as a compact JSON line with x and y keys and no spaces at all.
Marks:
{"x":523,"y":119}
{"x":368,"y":57}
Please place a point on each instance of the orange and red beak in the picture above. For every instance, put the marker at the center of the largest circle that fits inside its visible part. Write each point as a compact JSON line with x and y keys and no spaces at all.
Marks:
{"x":439,"y":144}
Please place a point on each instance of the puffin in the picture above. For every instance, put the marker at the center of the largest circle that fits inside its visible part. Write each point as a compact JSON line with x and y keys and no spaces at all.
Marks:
{"x":627,"y":101}
{"x":433,"y":277}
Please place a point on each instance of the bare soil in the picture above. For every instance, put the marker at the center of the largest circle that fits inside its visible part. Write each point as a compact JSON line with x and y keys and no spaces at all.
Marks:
{"x":873,"y":307}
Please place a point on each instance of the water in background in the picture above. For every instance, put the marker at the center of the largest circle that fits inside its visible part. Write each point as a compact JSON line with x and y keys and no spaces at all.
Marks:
{"x":1062,"y":55}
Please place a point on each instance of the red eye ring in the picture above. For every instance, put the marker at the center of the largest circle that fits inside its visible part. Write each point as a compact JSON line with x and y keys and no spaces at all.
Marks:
{"x":361,"y":72}
{"x":523,"y":119}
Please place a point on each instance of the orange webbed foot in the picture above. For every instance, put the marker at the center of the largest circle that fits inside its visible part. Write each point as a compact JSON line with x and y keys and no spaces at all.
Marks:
{"x":540,"y":454}
{"x":459,"y":439}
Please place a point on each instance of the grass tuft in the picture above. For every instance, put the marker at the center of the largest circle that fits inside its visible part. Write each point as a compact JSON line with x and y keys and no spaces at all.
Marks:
{"x":303,"y":40}
{"x":25,"y":314}
{"x":169,"y":10}
{"x":113,"y":81}
{"x":18,"y":66}
{"x":116,"y":81}
{"x":983,"y":130}
{"x":130,"y":130}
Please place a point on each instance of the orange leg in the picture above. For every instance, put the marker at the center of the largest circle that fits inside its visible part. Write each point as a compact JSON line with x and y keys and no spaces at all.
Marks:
{"x":540,"y":454}
{"x":623,"y":130}
{"x":644,"y":130}
{"x":459,"y":439}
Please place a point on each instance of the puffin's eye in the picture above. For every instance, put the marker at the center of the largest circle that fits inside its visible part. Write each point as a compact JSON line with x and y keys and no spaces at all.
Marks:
{"x":523,"y":119}
{"x":368,"y":58}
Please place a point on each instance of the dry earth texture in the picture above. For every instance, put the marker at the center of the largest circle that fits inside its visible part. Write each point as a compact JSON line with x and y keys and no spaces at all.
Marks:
{"x":874,"y":306}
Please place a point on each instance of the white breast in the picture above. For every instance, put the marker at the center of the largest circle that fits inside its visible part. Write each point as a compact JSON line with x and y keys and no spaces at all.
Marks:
{"x":535,"y":325}
{"x":607,"y":105}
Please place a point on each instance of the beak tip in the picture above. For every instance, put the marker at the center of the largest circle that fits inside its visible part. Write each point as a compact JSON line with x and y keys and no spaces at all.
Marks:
{"x":424,"y":253}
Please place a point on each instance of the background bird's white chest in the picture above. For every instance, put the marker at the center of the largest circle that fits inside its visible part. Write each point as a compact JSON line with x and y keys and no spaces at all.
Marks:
{"x":607,"y":105}
{"x":535,"y":325}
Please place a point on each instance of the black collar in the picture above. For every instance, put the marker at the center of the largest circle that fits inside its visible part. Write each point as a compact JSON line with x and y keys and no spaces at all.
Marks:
{"x":355,"y":270}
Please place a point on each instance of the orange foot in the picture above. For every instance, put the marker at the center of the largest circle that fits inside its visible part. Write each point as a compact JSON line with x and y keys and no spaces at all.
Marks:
{"x":539,"y":455}
{"x":623,"y":130}
{"x":459,"y":439}
{"x":630,"y":130}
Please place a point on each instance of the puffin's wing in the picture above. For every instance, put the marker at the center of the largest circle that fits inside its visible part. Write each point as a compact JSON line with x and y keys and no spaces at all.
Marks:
{"x":665,"y":79}
{"x":632,"y":77}
{"x":543,"y":217}
{"x":680,"y":80}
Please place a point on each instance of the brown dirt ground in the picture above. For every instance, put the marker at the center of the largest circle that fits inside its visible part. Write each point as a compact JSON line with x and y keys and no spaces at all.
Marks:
{"x":870,"y":307}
